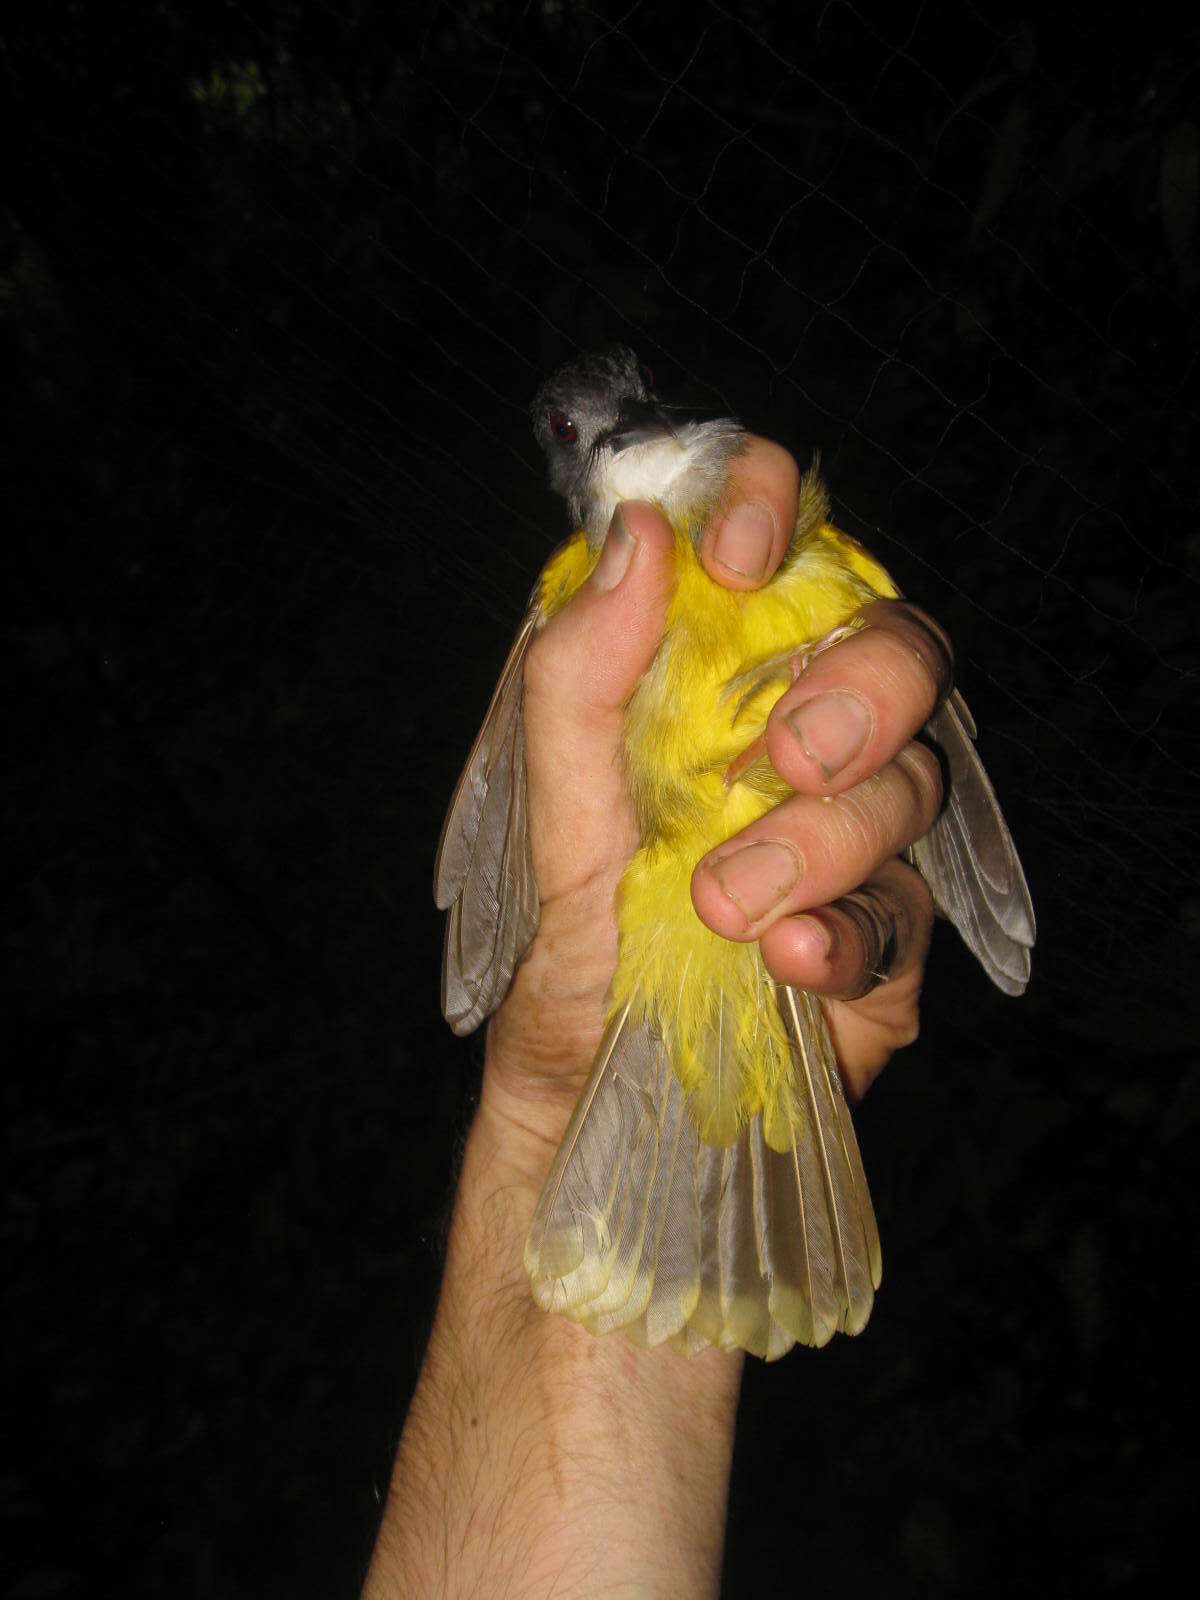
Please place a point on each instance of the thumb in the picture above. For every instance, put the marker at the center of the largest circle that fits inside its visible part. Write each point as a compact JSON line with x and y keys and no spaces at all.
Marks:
{"x":579,"y":671}
{"x":597,"y":647}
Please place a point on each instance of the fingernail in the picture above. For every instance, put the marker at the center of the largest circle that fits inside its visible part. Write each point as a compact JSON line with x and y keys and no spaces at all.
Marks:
{"x":758,"y":876}
{"x":744,"y":539}
{"x":832,"y":729}
{"x":619,"y":545}
{"x":822,"y":940}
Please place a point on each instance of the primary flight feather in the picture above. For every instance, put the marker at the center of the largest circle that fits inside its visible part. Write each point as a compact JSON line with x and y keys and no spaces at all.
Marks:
{"x":709,"y":1188}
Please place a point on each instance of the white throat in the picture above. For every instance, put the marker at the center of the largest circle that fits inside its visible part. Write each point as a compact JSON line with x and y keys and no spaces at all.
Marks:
{"x":684,"y":473}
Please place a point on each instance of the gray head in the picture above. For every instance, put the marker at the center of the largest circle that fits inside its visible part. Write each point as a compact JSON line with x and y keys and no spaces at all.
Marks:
{"x":577,"y":411}
{"x":606,"y":439}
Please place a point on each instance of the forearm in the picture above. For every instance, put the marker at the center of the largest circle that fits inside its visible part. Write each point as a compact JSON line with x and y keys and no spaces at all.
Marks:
{"x":537,"y":1459}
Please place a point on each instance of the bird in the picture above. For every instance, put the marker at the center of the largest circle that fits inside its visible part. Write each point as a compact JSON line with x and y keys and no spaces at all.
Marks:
{"x":709,"y":1189}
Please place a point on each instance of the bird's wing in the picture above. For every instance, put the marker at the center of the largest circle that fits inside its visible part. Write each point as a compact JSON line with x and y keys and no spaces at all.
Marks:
{"x":756,"y":1245}
{"x":484,"y":870}
{"x":969,"y":861}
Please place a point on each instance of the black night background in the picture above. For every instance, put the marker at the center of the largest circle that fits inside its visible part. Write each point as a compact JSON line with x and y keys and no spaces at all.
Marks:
{"x":277,"y":280}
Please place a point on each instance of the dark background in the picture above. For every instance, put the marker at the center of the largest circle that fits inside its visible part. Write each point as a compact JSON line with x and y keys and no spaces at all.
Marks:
{"x":276,"y":283}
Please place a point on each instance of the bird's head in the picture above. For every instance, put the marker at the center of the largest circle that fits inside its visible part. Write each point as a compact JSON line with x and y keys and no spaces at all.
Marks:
{"x":607,"y":438}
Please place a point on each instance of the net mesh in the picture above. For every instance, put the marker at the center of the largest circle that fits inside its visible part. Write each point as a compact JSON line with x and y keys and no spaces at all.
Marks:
{"x":917,"y":244}
{"x":278,"y":281}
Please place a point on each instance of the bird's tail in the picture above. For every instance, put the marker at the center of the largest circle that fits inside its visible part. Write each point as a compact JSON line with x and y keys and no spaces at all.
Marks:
{"x":759,"y":1244}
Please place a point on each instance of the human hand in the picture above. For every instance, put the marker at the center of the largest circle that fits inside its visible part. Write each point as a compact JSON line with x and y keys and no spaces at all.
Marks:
{"x":492,"y":1504}
{"x":856,"y":910}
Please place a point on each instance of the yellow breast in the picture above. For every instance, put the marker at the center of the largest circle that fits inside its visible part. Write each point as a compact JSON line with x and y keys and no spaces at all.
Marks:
{"x":683,"y":728}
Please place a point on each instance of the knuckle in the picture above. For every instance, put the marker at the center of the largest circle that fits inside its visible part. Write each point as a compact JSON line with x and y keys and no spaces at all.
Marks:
{"x":878,"y":932}
{"x":918,"y":898}
{"x":907,"y":1028}
{"x":767,"y":459}
{"x":905,"y":628}
{"x":920,"y":774}
{"x":767,"y":471}
{"x":884,"y":813}
{"x":859,"y":823}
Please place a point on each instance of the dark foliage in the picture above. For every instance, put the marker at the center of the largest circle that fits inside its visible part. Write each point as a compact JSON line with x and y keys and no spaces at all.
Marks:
{"x":276,"y":282}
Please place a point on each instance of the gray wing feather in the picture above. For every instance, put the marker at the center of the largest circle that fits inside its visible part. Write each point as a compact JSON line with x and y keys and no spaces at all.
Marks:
{"x":484,"y":870}
{"x":969,"y":861}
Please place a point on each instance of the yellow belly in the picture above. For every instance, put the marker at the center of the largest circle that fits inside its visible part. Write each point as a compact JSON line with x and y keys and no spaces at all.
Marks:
{"x":709,"y":997}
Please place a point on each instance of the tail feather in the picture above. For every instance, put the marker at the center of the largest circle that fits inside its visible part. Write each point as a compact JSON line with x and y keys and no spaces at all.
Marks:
{"x":569,"y":1247}
{"x":669,"y":1282}
{"x":854,"y":1288}
{"x":670,"y":1123}
{"x":713,"y":1165}
{"x":745,"y":1310}
{"x":615,"y":1304}
{"x":757,"y":1245}
{"x":854,"y":1162}
{"x":786,"y":1261}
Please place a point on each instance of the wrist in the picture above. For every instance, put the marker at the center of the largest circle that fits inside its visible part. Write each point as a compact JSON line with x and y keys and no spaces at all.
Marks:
{"x":609,"y":1434}
{"x":485,"y":1275}
{"x":529,"y":1440}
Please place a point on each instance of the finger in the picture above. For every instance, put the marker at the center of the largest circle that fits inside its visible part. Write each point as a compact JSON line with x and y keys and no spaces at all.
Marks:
{"x":742,"y":548}
{"x":807,"y":851}
{"x":858,"y":703}
{"x":590,"y":655}
{"x":579,"y":671}
{"x":846,"y":949}
{"x":889,"y":919}
{"x":867,"y":1031}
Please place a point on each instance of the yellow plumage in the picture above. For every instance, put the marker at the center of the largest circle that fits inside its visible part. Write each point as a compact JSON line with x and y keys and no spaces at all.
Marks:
{"x":683,"y":729}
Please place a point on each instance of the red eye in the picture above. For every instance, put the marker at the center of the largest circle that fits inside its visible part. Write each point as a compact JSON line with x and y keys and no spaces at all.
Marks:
{"x":646,"y":376}
{"x":562,"y":428}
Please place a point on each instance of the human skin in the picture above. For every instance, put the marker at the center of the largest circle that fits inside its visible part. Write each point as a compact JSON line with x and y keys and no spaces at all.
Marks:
{"x":537,"y":1460}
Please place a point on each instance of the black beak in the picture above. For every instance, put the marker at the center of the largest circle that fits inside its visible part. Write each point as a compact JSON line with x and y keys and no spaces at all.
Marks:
{"x":638,"y":422}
